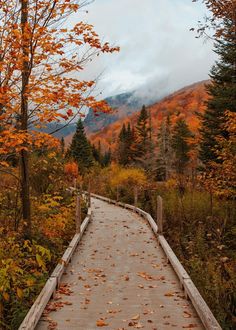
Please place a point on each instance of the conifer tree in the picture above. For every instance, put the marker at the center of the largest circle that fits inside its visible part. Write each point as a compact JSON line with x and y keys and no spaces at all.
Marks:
{"x":165,"y":156}
{"x":80,"y":149}
{"x":125,"y":145}
{"x":222,"y":93}
{"x":62,"y":145}
{"x":180,"y":145}
{"x":106,"y":161}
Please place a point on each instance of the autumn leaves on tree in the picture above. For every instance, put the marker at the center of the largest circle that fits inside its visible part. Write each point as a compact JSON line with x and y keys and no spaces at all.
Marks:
{"x":39,"y":63}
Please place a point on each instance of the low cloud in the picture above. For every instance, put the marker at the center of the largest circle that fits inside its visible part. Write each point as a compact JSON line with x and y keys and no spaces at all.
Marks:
{"x":158,"y":52}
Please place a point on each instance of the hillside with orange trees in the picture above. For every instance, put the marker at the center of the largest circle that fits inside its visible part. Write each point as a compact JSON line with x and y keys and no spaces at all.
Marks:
{"x":187,"y":102}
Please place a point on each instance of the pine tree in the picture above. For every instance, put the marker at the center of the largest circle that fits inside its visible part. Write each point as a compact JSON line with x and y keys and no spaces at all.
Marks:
{"x":180,"y":145}
{"x":165,"y":156}
{"x":80,"y":149}
{"x":62,"y":145}
{"x":142,"y":141}
{"x":106,"y":161}
{"x":125,"y":145}
{"x":96,"y":152}
{"x":222,"y":93}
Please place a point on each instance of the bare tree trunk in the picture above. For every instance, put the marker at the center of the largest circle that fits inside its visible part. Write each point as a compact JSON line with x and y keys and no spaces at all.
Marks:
{"x":24,"y":155}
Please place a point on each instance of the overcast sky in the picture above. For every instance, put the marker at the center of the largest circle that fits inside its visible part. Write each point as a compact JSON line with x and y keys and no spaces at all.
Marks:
{"x":158,"y":52}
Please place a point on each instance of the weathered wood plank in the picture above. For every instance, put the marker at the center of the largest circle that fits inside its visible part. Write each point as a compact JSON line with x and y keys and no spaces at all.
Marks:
{"x":179,"y":269}
{"x":201,"y":307}
{"x":38,"y":307}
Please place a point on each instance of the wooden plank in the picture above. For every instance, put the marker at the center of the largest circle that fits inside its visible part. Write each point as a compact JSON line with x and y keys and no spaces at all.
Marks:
{"x":152,"y":223}
{"x":179,"y":269}
{"x":35,"y":312}
{"x":84,"y":225}
{"x":201,"y":307}
{"x":58,"y":272}
{"x":67,"y":255}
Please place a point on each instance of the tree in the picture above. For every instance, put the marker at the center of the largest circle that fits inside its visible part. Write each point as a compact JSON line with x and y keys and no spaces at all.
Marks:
{"x":142,"y":137}
{"x":222,"y":90}
{"x":125,"y":145}
{"x":62,"y":145}
{"x":222,"y":93}
{"x":80,"y":149}
{"x":39,"y":63}
{"x":180,"y":145}
{"x":165,"y":156}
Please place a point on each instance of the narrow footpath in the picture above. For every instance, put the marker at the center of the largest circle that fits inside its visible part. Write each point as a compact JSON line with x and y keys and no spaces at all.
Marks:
{"x":119,"y":280}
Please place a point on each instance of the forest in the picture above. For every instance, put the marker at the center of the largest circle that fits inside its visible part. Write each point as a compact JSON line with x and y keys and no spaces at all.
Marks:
{"x":189,"y":161}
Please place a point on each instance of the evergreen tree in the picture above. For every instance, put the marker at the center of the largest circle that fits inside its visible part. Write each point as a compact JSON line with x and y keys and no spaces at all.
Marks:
{"x":222,"y":93}
{"x":96,"y":152}
{"x":142,"y":138}
{"x":106,"y":161}
{"x":80,"y":149}
{"x":62,"y":145}
{"x":165,"y":152}
{"x":125,"y":145}
{"x":180,"y":145}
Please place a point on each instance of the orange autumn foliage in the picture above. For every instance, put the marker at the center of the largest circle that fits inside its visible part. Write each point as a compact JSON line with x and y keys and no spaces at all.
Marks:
{"x":37,"y":64}
{"x":185,"y":103}
{"x":71,"y":170}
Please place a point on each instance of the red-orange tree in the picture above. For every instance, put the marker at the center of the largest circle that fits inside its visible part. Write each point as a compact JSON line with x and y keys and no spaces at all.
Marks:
{"x":41,"y":56}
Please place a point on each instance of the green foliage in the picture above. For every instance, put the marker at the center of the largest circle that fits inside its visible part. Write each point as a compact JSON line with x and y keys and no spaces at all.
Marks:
{"x":180,"y":145}
{"x":126,"y":145}
{"x":142,"y":142}
{"x":222,"y":93}
{"x":80,"y":149}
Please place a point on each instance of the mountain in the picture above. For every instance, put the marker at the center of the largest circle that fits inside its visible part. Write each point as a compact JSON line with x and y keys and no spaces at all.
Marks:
{"x":58,"y":130}
{"x":123,"y":105}
{"x":187,"y":102}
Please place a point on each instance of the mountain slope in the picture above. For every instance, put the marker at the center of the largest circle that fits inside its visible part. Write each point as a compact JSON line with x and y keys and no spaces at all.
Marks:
{"x":123,"y":105}
{"x":187,"y":102}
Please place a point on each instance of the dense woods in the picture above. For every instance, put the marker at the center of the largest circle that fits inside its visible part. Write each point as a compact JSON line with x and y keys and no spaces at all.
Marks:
{"x":183,"y":151}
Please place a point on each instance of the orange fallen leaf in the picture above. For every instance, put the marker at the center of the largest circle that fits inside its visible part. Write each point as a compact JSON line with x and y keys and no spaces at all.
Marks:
{"x":101,"y":323}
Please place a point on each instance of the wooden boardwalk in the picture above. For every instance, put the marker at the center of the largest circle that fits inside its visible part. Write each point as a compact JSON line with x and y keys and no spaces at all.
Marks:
{"x":119,"y":279}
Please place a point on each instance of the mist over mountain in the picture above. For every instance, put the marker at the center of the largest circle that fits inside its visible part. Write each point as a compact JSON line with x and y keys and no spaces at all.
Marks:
{"x":123,"y":105}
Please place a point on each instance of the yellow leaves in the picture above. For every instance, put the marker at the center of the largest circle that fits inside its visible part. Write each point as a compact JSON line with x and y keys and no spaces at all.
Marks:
{"x":128,"y":176}
{"x":6,"y":296}
{"x":20,"y":293}
{"x":40,"y":261}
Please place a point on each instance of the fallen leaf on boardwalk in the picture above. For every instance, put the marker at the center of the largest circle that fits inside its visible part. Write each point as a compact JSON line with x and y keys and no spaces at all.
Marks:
{"x":169,"y":294}
{"x":126,"y":278}
{"x":139,"y":326}
{"x":52,"y":325}
{"x":136,"y":317}
{"x":189,"y":326}
{"x":146,"y":276}
{"x":187,"y":314}
{"x":101,"y":323}
{"x":141,"y":286}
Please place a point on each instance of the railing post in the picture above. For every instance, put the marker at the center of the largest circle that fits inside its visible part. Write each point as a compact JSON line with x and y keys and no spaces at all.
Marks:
{"x":78,"y":214}
{"x":160,"y":214}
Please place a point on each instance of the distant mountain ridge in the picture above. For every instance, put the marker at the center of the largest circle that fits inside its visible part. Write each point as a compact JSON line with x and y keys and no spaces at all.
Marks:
{"x":124,"y":105}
